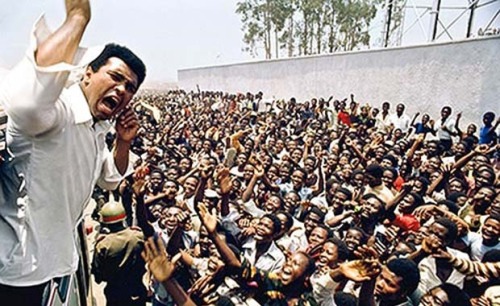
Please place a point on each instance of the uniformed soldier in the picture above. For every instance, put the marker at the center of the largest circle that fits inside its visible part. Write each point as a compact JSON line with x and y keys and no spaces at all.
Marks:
{"x":117,"y":259}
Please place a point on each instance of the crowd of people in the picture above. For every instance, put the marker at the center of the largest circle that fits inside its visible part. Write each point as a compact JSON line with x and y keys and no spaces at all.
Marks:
{"x":236,"y":200}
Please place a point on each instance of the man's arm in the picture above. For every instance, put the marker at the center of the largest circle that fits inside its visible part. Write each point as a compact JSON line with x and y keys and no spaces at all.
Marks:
{"x":30,"y":91}
{"x":61,"y":46}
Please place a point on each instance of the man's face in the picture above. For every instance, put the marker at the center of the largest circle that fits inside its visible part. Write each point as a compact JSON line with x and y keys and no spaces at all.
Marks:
{"x":190,"y":186}
{"x":388,"y":286}
{"x":312,"y":220}
{"x":169,"y":218}
{"x":435,"y":297}
{"x":339,"y":201}
{"x":170,"y":190}
{"x":328,"y":256}
{"x":388,"y":178}
{"x":353,"y":239}
{"x":264,"y":230}
{"x":298,"y":179}
{"x":400,"y":109}
{"x":156,"y":181}
{"x":445,"y":112}
{"x":371,"y":180}
{"x":483,"y":178}
{"x":491,"y":230}
{"x":317,"y":236}
{"x":293,"y":269}
{"x":291,"y":202}
{"x":405,"y":206}
{"x":109,"y":89}
{"x":441,"y":234}
{"x":370,"y":208}
{"x":272,"y":204}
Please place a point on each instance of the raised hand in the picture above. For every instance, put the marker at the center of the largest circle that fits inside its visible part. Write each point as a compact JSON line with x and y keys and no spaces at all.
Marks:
{"x":208,"y":219}
{"x":360,"y":270}
{"x":224,"y":180}
{"x":156,"y":259}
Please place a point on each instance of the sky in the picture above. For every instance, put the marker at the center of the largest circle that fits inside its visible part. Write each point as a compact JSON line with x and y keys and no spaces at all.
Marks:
{"x":175,"y":34}
{"x":167,"y":34}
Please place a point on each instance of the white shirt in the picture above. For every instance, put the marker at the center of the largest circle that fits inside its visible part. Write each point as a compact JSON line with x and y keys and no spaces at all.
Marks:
{"x":402,"y":123}
{"x":272,"y":260}
{"x":61,"y":154}
{"x":428,"y":272}
{"x":477,"y":248}
{"x":449,"y":123}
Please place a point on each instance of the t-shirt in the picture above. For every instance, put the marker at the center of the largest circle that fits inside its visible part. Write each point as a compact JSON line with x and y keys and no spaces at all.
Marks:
{"x":477,"y":248}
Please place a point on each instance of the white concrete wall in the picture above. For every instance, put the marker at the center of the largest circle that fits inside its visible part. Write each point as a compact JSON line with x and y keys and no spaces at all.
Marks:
{"x":463,"y":74}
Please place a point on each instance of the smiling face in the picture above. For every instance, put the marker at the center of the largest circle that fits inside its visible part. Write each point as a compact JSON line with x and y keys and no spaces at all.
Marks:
{"x":435,"y":297}
{"x":109,"y":89}
{"x":317,"y":236}
{"x":329,"y":255}
{"x":491,"y":231}
{"x":294,"y":269}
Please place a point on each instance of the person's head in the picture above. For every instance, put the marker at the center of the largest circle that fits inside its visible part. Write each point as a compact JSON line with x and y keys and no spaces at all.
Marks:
{"x":459,"y":198}
{"x":248,"y":171}
{"x":112,"y":213}
{"x":342,"y":195}
{"x":491,"y":230}
{"x":156,"y":180}
{"x":268,"y":227}
{"x":334,"y":251}
{"x":386,"y":106}
{"x":445,"y":295}
{"x":445,"y":112}
{"x":400,"y":108}
{"x":171,"y":188}
{"x":372,"y":208}
{"x":410,"y":202}
{"x":292,"y":200}
{"x":313,"y":218}
{"x":398,"y":279}
{"x":373,"y":175}
{"x":190,"y":186}
{"x":298,"y":178}
{"x":420,"y":186}
{"x":357,"y":178}
{"x":169,"y":217}
{"x":445,"y":231}
{"x":318,"y":235}
{"x":111,"y":80}
{"x":488,"y":118}
{"x":457,"y":185}
{"x":355,"y":237}
{"x":389,"y":176}
{"x":296,"y":269}
{"x":286,"y":221}
{"x":273,"y":203}
{"x":484,"y":176}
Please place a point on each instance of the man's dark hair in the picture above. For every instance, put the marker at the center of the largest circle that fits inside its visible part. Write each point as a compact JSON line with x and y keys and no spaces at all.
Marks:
{"x":408,"y":271}
{"x":345,"y":299}
{"x":375,"y":170}
{"x":450,"y":226}
{"x":392,"y":159}
{"x":276,"y":223}
{"x":342,"y":250}
{"x":456,"y":296}
{"x":123,"y":53}
{"x":345,"y":191}
{"x":316,"y":211}
{"x":417,"y":200}
{"x":289,"y":219}
{"x":364,"y":235}
{"x":452,"y":206}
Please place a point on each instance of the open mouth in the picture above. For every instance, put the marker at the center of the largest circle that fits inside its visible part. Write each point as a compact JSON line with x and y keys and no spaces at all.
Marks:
{"x":110,"y":102}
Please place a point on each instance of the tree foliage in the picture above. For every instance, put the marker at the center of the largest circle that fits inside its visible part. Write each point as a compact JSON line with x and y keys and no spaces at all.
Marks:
{"x":304,"y":27}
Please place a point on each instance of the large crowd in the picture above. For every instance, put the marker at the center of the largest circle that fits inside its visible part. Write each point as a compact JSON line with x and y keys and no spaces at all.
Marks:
{"x":238,"y":200}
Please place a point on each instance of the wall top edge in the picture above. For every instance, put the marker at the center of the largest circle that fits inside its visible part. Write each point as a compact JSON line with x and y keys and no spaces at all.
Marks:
{"x":389,"y":49}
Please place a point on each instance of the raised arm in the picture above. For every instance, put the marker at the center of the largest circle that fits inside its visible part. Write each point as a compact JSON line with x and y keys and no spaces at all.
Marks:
{"x":30,"y":91}
{"x":61,"y":46}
